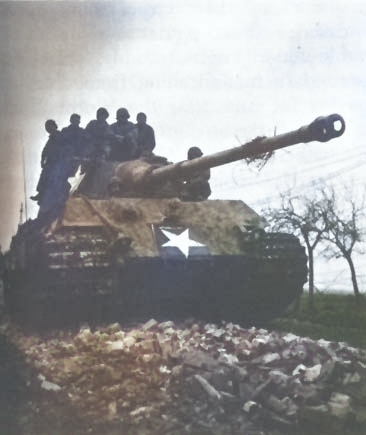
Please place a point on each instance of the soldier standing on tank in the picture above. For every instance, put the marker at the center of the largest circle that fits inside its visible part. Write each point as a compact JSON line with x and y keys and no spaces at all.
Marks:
{"x":197,"y":188}
{"x":2,"y":272}
{"x":53,"y":187}
{"x":55,"y":160}
{"x":75,"y":137}
{"x":145,"y":136}
{"x":125,"y":143}
{"x":100,"y":163}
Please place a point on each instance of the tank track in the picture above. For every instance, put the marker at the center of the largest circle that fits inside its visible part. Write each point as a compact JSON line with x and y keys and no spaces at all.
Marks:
{"x":72,"y":278}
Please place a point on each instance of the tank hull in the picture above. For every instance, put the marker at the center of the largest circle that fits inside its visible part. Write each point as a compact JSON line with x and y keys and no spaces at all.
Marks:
{"x":128,"y":260}
{"x":238,"y":288}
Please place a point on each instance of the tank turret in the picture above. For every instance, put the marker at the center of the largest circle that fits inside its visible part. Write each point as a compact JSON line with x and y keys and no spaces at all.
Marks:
{"x":146,"y":177}
{"x":126,"y":247}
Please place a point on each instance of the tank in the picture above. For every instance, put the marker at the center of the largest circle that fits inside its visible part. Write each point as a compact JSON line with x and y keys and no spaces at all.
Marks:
{"x":138,"y":248}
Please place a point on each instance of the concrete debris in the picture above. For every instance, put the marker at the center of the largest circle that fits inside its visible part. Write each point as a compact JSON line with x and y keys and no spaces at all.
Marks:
{"x":47,"y":385}
{"x":312,"y":373}
{"x":210,"y":390}
{"x":202,"y":378}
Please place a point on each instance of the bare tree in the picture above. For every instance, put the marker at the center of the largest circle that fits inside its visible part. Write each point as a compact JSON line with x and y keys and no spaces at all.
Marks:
{"x":302,"y":216}
{"x":344,"y":216}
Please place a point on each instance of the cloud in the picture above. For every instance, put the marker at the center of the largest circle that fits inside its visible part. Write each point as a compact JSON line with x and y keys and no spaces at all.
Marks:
{"x":50,"y":51}
{"x":204,"y":71}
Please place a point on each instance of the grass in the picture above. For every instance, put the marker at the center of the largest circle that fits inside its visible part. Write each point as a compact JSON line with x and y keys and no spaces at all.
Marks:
{"x":335,"y":317}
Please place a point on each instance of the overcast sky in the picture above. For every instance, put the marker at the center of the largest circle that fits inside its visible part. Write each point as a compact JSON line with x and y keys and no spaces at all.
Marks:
{"x":210,"y":73}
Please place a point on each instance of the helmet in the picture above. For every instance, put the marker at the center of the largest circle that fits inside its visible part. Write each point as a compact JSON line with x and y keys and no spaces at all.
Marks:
{"x":194,"y":152}
{"x":102,"y":113}
{"x":122,"y":113}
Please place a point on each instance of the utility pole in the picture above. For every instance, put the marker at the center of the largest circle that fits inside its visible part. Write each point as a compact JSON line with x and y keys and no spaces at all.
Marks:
{"x":21,"y":214}
{"x":24,"y":185}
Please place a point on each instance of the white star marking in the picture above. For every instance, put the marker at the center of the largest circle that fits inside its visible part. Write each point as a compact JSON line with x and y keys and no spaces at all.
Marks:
{"x":75,"y":180}
{"x":180,"y":241}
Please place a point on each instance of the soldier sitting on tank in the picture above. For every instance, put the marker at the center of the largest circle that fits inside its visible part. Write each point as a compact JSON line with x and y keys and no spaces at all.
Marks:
{"x":125,"y":137}
{"x":99,"y":136}
{"x":197,"y":188}
{"x":75,"y":137}
{"x":53,"y":187}
{"x":145,"y":137}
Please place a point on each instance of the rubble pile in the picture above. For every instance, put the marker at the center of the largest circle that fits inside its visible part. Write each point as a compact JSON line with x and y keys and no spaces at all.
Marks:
{"x":198,"y":378}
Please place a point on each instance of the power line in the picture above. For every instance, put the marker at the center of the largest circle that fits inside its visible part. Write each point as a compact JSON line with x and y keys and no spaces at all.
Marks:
{"x":300,"y":173}
{"x":306,"y":186}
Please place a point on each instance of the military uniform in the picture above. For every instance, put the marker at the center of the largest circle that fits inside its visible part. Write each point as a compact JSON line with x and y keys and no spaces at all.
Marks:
{"x":53,"y":186}
{"x":75,"y":137}
{"x":54,"y":152}
{"x":198,"y":188}
{"x":99,"y":135}
{"x":124,"y":144}
{"x":145,"y":140}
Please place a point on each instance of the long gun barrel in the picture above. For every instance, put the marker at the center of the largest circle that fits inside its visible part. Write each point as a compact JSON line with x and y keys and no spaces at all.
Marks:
{"x":141,"y":178}
{"x":322,"y":129}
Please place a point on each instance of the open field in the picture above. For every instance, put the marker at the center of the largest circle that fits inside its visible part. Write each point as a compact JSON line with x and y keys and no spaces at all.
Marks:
{"x":335,"y":317}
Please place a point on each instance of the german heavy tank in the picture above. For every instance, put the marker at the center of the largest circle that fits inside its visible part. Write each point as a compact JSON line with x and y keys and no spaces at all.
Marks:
{"x":139,"y":248}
